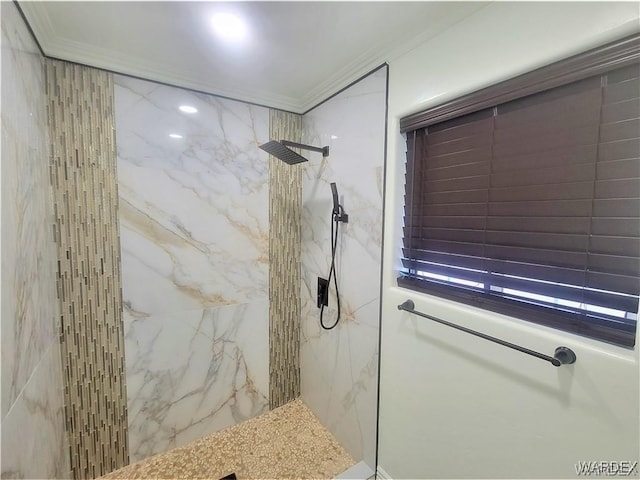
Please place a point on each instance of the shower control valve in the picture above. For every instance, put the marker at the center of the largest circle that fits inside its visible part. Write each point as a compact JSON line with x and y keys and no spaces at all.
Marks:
{"x":323,"y":292}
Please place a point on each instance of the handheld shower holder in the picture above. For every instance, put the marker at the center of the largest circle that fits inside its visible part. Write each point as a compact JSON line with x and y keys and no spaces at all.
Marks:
{"x":341,"y":217}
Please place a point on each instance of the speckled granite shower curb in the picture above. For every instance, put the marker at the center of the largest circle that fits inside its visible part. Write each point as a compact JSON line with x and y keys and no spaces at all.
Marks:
{"x":285,"y":207}
{"x":83,"y":176}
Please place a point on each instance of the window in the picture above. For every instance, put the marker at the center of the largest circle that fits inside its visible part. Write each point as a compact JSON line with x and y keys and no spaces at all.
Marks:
{"x":524,"y":198}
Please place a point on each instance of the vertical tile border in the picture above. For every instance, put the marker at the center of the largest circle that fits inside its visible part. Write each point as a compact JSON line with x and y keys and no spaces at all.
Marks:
{"x":285,"y":208}
{"x":86,"y":231}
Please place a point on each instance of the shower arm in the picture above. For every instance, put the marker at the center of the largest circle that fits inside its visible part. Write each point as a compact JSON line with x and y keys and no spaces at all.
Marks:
{"x":323,"y":150}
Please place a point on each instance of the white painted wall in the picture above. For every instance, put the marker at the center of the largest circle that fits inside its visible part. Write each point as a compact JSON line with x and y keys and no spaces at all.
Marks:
{"x":455,"y":406}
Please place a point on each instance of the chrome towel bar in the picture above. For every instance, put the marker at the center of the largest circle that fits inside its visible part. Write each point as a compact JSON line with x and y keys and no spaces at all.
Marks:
{"x":562,"y":355}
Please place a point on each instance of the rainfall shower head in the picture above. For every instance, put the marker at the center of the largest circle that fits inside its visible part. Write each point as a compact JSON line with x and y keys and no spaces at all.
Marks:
{"x":279,"y":150}
{"x":283,"y":153}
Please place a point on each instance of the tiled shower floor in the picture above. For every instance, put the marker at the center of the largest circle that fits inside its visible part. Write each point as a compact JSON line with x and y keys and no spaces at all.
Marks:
{"x":286,"y":443}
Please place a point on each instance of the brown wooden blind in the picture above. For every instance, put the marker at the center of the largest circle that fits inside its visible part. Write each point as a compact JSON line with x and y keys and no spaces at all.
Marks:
{"x":531,"y":207}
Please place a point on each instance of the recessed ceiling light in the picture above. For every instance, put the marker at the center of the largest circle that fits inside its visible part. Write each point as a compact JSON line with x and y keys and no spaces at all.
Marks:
{"x":229,"y":26}
{"x":175,"y":135}
{"x":188,"y":109}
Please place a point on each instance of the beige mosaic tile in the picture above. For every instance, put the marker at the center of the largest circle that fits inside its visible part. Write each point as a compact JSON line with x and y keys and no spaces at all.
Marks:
{"x":285,"y":206}
{"x":286,"y":443}
{"x":85,"y":201}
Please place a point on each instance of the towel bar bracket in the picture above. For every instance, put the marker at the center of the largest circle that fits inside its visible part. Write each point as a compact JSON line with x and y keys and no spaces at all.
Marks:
{"x":565,"y":355}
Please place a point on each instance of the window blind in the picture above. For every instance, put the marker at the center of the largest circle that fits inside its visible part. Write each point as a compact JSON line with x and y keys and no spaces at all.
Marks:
{"x":531,"y":207}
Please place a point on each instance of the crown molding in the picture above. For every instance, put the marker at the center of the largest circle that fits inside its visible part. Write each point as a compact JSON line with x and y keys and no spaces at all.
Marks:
{"x":376,"y":55}
{"x":132,"y":66}
{"x":55,"y":46}
{"x":60,"y":48}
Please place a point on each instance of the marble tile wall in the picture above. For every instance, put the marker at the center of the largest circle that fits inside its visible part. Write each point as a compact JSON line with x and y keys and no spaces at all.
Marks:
{"x":34,"y":441}
{"x":338,"y":368}
{"x":195,"y":262}
{"x":33,"y":438}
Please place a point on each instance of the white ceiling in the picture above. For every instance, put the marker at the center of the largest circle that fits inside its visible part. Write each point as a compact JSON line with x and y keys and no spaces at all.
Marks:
{"x":296,"y":55}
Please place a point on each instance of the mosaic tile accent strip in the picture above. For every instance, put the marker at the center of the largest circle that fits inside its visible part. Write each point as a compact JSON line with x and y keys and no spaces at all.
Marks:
{"x":83,"y":176}
{"x":285,"y":207}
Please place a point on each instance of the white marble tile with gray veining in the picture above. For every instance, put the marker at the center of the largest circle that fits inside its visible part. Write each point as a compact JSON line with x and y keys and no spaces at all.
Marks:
{"x":194,"y":210}
{"x":340,"y":376}
{"x":29,"y":301}
{"x":194,"y":373}
{"x":34,"y":442}
{"x":339,"y":367}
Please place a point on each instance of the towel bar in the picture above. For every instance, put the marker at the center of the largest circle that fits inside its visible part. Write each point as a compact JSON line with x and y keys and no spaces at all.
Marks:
{"x":561,"y":356}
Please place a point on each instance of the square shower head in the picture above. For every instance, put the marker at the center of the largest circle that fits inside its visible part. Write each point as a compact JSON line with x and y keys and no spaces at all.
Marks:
{"x":285,"y":154}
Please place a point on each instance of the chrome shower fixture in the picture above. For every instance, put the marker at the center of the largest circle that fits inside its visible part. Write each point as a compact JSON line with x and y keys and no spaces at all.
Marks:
{"x":279,"y":150}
